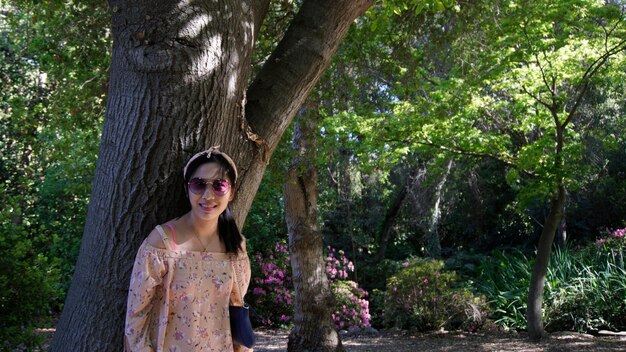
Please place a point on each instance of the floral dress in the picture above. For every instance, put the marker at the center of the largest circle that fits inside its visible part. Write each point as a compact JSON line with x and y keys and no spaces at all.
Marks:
{"x":178,"y":300}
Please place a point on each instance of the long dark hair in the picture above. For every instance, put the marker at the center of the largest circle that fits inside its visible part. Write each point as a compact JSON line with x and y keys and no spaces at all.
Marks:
{"x":226,"y":226}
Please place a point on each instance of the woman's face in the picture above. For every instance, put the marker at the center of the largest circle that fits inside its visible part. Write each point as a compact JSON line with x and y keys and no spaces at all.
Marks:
{"x":211,"y":203}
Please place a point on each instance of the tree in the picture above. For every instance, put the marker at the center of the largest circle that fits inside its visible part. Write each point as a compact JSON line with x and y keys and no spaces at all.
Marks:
{"x":518,"y":100}
{"x":178,"y":84}
{"x":314,"y":329}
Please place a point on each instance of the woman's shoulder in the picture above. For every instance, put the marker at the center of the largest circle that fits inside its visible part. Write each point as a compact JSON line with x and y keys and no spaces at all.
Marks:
{"x":155,"y":239}
{"x":160,"y":234}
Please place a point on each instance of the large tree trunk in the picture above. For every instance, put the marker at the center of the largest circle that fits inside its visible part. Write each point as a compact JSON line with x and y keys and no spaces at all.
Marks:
{"x":313,"y":330}
{"x":178,"y":83}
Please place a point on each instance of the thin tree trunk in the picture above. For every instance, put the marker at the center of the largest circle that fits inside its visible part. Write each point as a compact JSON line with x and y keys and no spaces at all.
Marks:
{"x":387,"y":234}
{"x":544,"y":248}
{"x":313,"y":330}
{"x":540,"y":269}
{"x":345,"y":202}
{"x":433,"y":241}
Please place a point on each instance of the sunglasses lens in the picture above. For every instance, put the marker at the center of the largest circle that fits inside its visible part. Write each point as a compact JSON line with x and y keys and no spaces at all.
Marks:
{"x":221,"y":187}
{"x":197,"y":186}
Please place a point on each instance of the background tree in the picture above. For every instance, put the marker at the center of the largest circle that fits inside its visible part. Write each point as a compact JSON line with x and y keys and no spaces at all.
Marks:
{"x":314,"y":330}
{"x":519,"y":103}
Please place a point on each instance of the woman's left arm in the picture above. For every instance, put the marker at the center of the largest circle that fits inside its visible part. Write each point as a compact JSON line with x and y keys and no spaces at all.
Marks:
{"x":242,"y":270}
{"x":243,"y":273}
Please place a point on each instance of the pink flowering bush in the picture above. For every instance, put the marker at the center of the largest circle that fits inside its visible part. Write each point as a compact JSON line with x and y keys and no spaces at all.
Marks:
{"x":352,"y":307}
{"x":424,"y":297}
{"x":337,"y":265}
{"x":614,"y":243}
{"x":612,"y":247}
{"x":271,"y":291}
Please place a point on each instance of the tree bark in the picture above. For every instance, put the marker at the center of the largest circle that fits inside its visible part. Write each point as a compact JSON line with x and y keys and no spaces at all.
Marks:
{"x":387,"y":233}
{"x":178,"y":81}
{"x":433,"y":241}
{"x":390,"y":219}
{"x":313,"y":330}
{"x":345,"y":227}
{"x":544,"y":248}
{"x":540,"y":269}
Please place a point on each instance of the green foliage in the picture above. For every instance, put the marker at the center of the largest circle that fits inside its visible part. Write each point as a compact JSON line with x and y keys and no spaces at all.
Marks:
{"x":28,"y":279}
{"x":588,"y":286}
{"x":271,"y":289}
{"x":414,"y":83}
{"x":425,"y":297}
{"x":504,"y":278}
{"x":585,"y":288}
{"x":53,"y":62}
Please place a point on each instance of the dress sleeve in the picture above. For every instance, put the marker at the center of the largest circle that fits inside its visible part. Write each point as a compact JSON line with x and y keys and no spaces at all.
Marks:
{"x":241,"y":265}
{"x":148,"y":272}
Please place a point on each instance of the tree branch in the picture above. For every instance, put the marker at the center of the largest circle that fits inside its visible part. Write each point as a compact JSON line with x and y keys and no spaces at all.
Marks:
{"x":296,"y":65}
{"x":590,"y":73}
{"x":460,"y":151}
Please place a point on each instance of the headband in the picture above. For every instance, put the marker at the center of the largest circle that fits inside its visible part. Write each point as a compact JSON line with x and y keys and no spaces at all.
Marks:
{"x":213,"y":151}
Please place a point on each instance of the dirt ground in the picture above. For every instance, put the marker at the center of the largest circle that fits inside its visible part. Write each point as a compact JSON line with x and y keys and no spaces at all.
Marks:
{"x":389,"y":341}
{"x":276,"y":340}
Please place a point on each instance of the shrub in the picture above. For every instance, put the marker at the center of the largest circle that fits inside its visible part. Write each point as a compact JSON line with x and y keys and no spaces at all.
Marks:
{"x":272,"y":288}
{"x":27,"y":280}
{"x":585,"y":288}
{"x":424,"y":297}
{"x":592,"y":295}
{"x":504,"y":278}
{"x":376,"y":308}
{"x":271,"y":291}
{"x":351,"y":306}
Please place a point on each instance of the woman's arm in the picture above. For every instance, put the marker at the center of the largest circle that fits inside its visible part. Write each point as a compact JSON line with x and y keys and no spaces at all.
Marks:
{"x":243,"y":272}
{"x":148,"y":271}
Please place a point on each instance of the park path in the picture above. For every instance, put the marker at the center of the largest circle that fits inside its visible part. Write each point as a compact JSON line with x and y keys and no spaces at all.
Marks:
{"x":276,"y":340}
{"x":401,"y":341}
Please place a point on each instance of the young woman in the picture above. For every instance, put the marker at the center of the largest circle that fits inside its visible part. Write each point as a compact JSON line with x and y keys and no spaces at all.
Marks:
{"x":188,"y":270}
